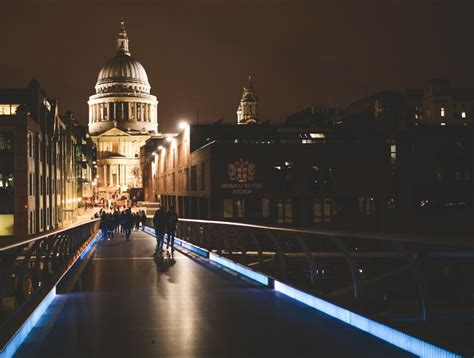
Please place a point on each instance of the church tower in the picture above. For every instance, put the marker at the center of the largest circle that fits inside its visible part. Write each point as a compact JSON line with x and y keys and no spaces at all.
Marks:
{"x":247,"y":111}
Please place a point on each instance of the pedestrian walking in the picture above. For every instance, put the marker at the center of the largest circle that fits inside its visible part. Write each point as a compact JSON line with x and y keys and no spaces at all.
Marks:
{"x":103,"y":226}
{"x":159,"y":221}
{"x":172,"y":222}
{"x":127,"y":223}
{"x":143,"y":219}
{"x":137,"y":219}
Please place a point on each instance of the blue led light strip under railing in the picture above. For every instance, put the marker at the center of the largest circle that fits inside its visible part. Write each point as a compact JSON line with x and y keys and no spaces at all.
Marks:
{"x":390,"y":335}
{"x":22,"y":333}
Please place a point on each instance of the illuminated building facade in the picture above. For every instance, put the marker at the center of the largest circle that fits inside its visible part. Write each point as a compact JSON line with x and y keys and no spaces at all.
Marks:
{"x":38,"y":187}
{"x":247,"y":111}
{"x":122,"y":116}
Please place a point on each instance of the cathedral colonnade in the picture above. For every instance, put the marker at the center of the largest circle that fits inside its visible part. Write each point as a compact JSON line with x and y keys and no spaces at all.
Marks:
{"x":124,"y":110}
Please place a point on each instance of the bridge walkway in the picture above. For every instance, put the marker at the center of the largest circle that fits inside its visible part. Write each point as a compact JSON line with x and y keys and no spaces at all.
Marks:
{"x":128,"y":303}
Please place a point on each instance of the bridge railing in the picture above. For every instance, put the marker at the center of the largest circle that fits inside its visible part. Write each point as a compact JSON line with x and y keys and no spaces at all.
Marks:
{"x":31,"y":268}
{"x":391,"y":278}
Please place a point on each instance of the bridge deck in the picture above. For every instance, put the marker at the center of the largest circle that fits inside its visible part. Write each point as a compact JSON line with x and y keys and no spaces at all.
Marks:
{"x":129,"y":304}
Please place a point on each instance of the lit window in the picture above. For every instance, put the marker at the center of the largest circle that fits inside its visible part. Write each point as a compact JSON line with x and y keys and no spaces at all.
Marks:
{"x":6,"y":224}
{"x":8,"y":109}
{"x":284,"y":211}
{"x":443,"y":124}
{"x":317,"y":135}
{"x":463,"y":115}
{"x":442,"y":112}
{"x":228,"y":210}
{"x":393,"y":151}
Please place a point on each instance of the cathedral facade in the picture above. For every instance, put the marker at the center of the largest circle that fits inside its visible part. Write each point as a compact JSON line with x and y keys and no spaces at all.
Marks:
{"x":122,"y":116}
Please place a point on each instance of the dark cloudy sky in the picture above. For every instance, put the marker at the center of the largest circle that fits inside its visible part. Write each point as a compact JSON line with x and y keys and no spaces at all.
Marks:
{"x":198,"y":53}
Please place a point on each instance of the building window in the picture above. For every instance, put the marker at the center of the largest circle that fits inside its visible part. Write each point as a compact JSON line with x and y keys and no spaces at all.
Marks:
{"x":203,"y":176}
{"x":282,"y":176}
{"x":228,"y":208}
{"x":367,"y":205}
{"x":6,"y":141}
{"x":193,"y":178}
{"x":442,"y":112}
{"x":186,"y":179}
{"x":239,"y":208}
{"x":6,"y":183}
{"x":30,"y":183}
{"x":234,"y":208}
{"x":284,"y":211}
{"x":393,"y":157}
{"x":8,"y":109}
{"x":7,"y":222}
{"x":323,"y":210}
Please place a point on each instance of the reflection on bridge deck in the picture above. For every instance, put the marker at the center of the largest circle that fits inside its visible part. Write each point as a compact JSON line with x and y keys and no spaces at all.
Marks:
{"x":128,"y":303}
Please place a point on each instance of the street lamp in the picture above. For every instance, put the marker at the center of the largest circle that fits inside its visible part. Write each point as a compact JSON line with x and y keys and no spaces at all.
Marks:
{"x":183,"y":125}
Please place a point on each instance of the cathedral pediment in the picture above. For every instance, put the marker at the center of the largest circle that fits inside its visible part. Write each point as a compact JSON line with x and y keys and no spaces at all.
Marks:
{"x":114,"y":132}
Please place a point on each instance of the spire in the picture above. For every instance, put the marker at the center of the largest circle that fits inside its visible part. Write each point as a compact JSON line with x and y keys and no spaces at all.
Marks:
{"x":249,"y":83}
{"x":122,"y":40}
{"x":247,"y":111}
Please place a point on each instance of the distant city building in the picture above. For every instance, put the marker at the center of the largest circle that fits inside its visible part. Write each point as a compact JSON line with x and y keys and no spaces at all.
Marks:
{"x":436,"y":104}
{"x":122,"y":116}
{"x":268,"y":174}
{"x":316,"y":116}
{"x":247,"y":111}
{"x":375,"y":165}
{"x":38,"y":187}
{"x":86,"y":164}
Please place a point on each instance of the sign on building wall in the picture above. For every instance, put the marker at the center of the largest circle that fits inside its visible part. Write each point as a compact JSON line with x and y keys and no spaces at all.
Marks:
{"x":241,"y":175}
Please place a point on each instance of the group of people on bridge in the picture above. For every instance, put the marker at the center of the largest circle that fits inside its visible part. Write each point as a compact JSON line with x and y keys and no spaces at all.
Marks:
{"x":120,"y":222}
{"x":125,"y":221}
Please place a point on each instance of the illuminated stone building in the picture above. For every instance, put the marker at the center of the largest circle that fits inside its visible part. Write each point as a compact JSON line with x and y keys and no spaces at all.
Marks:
{"x":247,"y":111}
{"x":38,"y":187}
{"x":122,"y":116}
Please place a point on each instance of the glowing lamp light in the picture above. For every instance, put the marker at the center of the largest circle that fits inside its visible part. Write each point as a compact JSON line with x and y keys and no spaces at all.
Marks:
{"x":183,"y":125}
{"x":160,"y":147}
{"x":169,"y":139}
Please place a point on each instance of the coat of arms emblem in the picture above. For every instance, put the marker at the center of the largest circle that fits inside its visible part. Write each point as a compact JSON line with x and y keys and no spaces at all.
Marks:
{"x":241,"y":171}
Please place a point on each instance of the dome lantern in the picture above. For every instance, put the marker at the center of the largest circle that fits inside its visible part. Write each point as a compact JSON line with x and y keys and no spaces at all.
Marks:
{"x":122,"y":40}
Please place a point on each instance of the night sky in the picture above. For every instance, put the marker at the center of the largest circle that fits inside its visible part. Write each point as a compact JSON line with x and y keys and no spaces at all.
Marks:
{"x":198,"y":53}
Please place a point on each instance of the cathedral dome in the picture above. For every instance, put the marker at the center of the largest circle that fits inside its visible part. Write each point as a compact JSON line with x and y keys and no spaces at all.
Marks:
{"x":123,"y":68}
{"x":122,"y":72}
{"x":122,"y":99}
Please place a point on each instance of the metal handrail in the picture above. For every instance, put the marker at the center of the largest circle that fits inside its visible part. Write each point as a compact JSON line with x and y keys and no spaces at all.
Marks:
{"x":459,"y":241}
{"x":29,"y":269}
{"x":4,"y":246}
{"x":391,"y":278}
